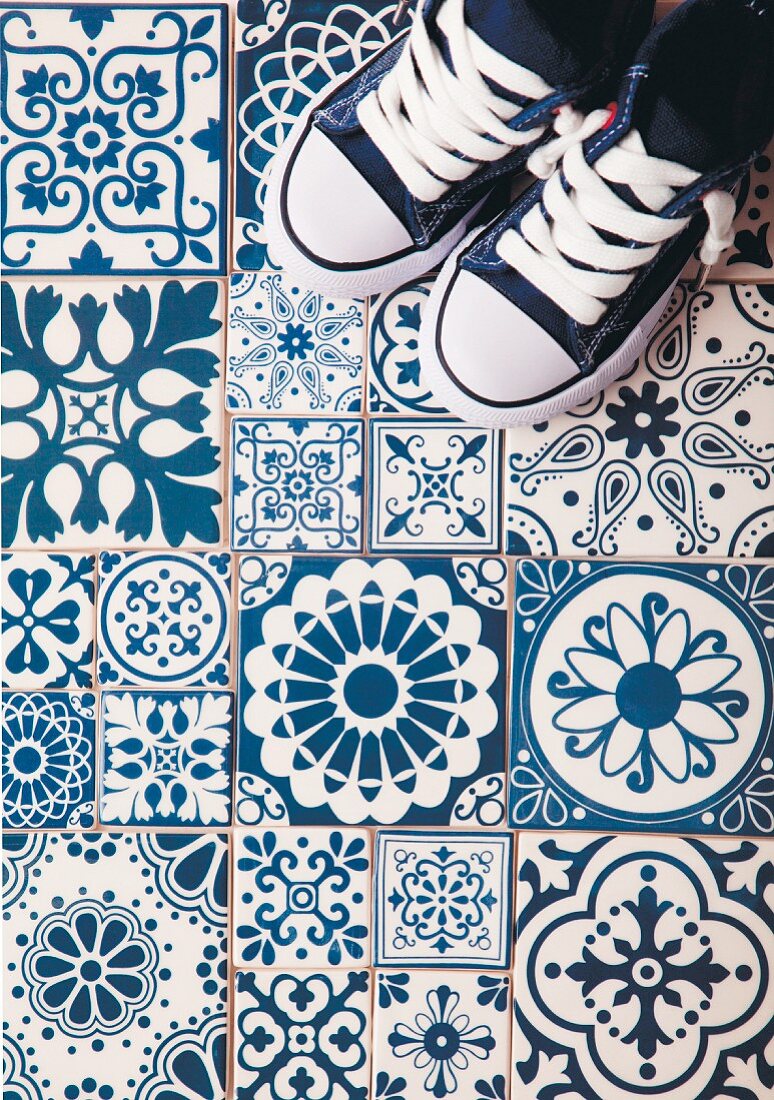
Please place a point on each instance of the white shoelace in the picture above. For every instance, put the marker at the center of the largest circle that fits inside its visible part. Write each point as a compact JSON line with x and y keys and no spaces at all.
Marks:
{"x":547,"y":252}
{"x":436,"y":127}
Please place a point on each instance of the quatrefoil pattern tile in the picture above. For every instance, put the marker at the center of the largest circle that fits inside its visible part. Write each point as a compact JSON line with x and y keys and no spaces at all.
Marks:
{"x":115,"y":138}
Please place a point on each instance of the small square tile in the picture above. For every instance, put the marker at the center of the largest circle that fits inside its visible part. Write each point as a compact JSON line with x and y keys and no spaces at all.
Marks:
{"x":164,"y":619}
{"x":305,"y":1034}
{"x":371,"y":691}
{"x":116,"y":138}
{"x":48,"y":759}
{"x":48,"y":620}
{"x":113,"y":413}
{"x":434,"y":486}
{"x":297,"y":484}
{"x":443,"y":899}
{"x":445,"y":1034}
{"x":641,"y":968}
{"x":166,"y":758}
{"x":642,"y":697}
{"x":395,"y":382}
{"x":302,"y":897}
{"x":675,"y":458}
{"x":293,"y":350}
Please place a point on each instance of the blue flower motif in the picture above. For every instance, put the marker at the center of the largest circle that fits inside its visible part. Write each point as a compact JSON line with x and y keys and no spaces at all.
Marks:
{"x":92,"y":18}
{"x":38,"y":625}
{"x":295,"y":342}
{"x":92,"y":139}
{"x":642,"y":420}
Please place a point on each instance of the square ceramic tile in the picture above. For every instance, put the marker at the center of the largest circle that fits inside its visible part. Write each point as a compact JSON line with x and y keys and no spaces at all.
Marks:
{"x":115,"y":965}
{"x":302,"y":1035}
{"x":296,"y":484}
{"x":116,"y":137}
{"x":112,"y":413}
{"x":48,"y":759}
{"x":395,"y":382}
{"x":302,"y":897}
{"x":443,"y":899}
{"x":166,"y":758}
{"x":48,"y":620}
{"x":641,"y":968}
{"x":371,"y":691}
{"x":164,"y":619}
{"x":674,"y":459}
{"x":287,"y":52}
{"x":291,"y":349}
{"x":434,"y":486}
{"x":642,"y":697}
{"x":445,"y":1034}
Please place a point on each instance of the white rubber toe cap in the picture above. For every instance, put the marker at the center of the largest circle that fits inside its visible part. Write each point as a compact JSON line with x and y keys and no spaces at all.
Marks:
{"x":333,"y":212}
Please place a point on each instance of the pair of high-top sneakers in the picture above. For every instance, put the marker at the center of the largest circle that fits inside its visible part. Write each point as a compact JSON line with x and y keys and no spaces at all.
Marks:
{"x":387,"y":171}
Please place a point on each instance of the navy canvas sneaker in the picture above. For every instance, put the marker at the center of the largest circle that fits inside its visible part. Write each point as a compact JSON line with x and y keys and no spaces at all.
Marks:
{"x":384,"y":173}
{"x":557,"y":297}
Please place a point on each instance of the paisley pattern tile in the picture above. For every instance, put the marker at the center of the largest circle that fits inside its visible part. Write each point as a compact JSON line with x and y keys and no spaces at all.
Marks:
{"x":434,"y":486}
{"x":112,"y":413}
{"x":371,"y":691}
{"x":292,"y":350}
{"x":297,"y":484}
{"x":302,"y":897}
{"x":48,"y":759}
{"x":166,"y":758}
{"x":443,"y":899}
{"x":642,"y":696}
{"x":676,"y":457}
{"x":116,"y":133}
{"x":643,"y":968}
{"x":48,"y":620}
{"x":164,"y":619}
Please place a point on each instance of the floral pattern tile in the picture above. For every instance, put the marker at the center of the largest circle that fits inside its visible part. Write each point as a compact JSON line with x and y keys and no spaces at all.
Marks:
{"x":676,"y":457}
{"x":434,"y":486}
{"x":293,"y":350}
{"x":302,"y":1034}
{"x":371,"y":691}
{"x":48,"y":759}
{"x":112,"y":413}
{"x":115,"y":972}
{"x":166,"y":758}
{"x":164,"y":619}
{"x":116,"y":138}
{"x":302,"y":897}
{"x":297,"y":484}
{"x":443,"y":1034}
{"x":642,"y":968}
{"x":443,"y":899}
{"x":48,"y":620}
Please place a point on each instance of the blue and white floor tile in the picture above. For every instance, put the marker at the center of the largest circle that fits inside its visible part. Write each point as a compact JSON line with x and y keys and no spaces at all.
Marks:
{"x":643,"y":968}
{"x":117,"y":134}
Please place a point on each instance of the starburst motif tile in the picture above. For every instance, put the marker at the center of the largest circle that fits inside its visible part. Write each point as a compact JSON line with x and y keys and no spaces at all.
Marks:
{"x":115,"y":965}
{"x":676,"y":457}
{"x":296,"y":484}
{"x":292,"y":350}
{"x":112,"y":413}
{"x":371,"y":691}
{"x":434,"y":486}
{"x":642,"y":968}
{"x":48,"y":620}
{"x":443,"y":899}
{"x":302,"y":897}
{"x":166,"y":758}
{"x":116,"y":135}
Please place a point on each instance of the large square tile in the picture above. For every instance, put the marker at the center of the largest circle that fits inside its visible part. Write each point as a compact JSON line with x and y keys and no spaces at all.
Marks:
{"x":675,"y":458}
{"x":443,"y":899}
{"x":642,"y":697}
{"x":112,"y":413}
{"x":371,"y":691}
{"x":116,"y":138}
{"x":115,"y":965}
{"x":642,"y":968}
